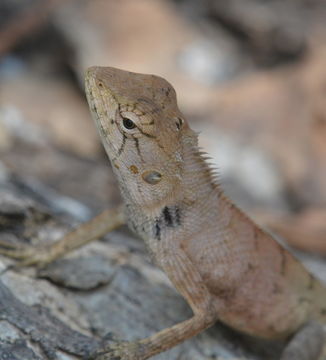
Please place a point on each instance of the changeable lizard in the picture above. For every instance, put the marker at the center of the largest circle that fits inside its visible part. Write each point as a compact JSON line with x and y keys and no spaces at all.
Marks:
{"x":225,"y":266}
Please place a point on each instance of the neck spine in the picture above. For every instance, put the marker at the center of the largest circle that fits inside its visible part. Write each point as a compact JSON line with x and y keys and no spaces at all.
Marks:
{"x":200,"y":178}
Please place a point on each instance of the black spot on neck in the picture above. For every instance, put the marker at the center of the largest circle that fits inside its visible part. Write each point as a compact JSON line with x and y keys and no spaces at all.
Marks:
{"x":170,"y":217}
{"x":167,"y":216}
{"x":157,"y":230}
{"x":177,"y":216}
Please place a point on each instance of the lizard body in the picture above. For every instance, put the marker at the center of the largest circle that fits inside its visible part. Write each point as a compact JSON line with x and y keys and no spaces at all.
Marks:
{"x":222,"y":263}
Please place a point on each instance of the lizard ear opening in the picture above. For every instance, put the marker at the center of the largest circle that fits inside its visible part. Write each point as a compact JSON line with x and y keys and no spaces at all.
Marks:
{"x":152,"y":177}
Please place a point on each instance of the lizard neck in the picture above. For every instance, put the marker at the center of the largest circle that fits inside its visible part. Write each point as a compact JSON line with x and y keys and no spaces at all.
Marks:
{"x":198,"y":183}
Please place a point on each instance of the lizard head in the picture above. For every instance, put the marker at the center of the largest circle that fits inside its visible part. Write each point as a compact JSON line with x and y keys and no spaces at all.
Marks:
{"x":142,"y":130}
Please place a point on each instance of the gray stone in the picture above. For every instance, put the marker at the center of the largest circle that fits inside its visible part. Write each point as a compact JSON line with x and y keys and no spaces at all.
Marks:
{"x":84,"y":273}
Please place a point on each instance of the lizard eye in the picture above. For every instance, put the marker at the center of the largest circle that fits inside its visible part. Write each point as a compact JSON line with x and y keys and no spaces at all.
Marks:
{"x":128,"y":124}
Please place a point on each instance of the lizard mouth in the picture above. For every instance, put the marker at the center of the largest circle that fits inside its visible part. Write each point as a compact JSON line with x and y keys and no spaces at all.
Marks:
{"x":95,"y":92}
{"x":94,"y":98}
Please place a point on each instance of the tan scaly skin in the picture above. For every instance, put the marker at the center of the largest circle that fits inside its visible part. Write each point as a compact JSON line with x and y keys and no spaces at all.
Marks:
{"x":225,"y":266}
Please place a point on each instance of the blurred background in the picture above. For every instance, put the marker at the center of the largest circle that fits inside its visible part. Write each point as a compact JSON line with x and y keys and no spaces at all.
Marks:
{"x":250,"y":76}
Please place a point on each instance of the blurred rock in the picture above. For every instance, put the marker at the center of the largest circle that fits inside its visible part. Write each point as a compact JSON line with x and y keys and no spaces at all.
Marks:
{"x":47,"y":136}
{"x":210,"y":61}
{"x":248,"y":173}
{"x":270,"y":32}
{"x":39,"y":327}
{"x":150,"y":37}
{"x":9,"y":8}
{"x":51,"y":102}
{"x":5,"y":138}
{"x":47,"y":171}
{"x":80,"y":274}
{"x":282,"y":113}
{"x":15,"y":126}
{"x":305,"y":231}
